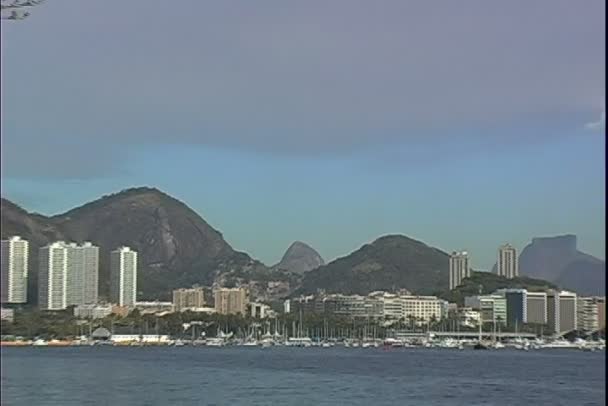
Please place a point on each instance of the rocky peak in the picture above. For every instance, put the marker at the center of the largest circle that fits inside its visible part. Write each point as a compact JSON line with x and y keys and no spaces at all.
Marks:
{"x":300,"y":258}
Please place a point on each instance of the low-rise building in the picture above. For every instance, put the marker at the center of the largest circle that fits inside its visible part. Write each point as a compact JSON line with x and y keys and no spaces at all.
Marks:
{"x":205,"y":310}
{"x":7,"y":315}
{"x":423,"y":308}
{"x":154,"y":307}
{"x":121,"y":311}
{"x":188,"y":298}
{"x":468,"y":317}
{"x":231,"y":300}
{"x":493,"y":308}
{"x":92,"y":311}
{"x":259,"y":310}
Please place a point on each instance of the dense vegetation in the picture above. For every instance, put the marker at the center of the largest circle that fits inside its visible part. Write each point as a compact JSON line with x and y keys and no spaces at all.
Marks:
{"x":489,"y":283}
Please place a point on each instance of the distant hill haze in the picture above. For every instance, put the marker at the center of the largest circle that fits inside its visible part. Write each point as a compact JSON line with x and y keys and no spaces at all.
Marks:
{"x":390,"y":262}
{"x":557,"y":259}
{"x":300,"y":258}
{"x":176,"y":246}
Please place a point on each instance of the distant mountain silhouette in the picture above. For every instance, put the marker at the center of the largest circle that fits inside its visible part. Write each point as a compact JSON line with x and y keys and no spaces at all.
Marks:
{"x":176,"y":246}
{"x":390,"y":262}
{"x":557,"y":259}
{"x":300,"y":258}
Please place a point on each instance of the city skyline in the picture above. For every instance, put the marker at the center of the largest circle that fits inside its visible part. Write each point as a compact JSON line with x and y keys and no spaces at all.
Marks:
{"x":330,"y":127}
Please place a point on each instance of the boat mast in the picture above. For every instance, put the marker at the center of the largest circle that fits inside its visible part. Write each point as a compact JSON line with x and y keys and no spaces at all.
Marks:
{"x":480,"y":314}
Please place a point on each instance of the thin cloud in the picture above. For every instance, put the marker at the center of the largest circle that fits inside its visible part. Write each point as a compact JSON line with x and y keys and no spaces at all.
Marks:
{"x":311,"y":79}
{"x":599,"y":125}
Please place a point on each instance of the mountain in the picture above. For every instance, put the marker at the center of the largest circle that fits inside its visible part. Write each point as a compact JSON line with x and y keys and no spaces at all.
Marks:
{"x":390,"y":262}
{"x":491,"y":282}
{"x":300,"y":258}
{"x":557,"y":259}
{"x":176,"y":246}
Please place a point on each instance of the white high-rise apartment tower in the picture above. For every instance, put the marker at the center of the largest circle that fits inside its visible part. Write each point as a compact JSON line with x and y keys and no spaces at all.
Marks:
{"x":52,"y":276}
{"x":14,"y":270}
{"x":82,"y":276}
{"x":459,"y":268}
{"x":123,"y":276}
{"x":507,"y":262}
{"x":68,"y":275}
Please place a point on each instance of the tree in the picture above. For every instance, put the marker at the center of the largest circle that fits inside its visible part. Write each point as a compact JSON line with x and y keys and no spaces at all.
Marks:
{"x":16,"y":9}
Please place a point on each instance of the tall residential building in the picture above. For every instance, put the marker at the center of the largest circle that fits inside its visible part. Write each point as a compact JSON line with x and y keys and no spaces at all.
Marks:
{"x":459,"y":268}
{"x":82,"y":274}
{"x":123,"y":276}
{"x":536,"y":307}
{"x":188,"y":298}
{"x":587,"y":313}
{"x":52,"y":276}
{"x":507,"y":262}
{"x":231,"y":300}
{"x":14,"y":270}
{"x":561,"y":311}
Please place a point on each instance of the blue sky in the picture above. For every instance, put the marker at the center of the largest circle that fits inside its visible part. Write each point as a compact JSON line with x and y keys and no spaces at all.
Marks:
{"x":465,"y":126}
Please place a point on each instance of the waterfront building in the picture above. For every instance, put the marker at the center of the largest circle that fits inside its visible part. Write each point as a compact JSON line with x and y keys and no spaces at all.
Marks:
{"x":536,"y":307}
{"x":422,"y":308}
{"x":517,"y":305}
{"x":393,"y":307}
{"x":304,"y":304}
{"x":259,"y":310}
{"x":493,"y":308}
{"x":587,"y":314}
{"x":561,"y":311}
{"x":468,"y":317}
{"x":123,"y":276}
{"x":506,"y":265}
{"x":601,"y":312}
{"x":92,"y":311}
{"x":355,"y":306}
{"x":14,"y":270}
{"x":459,"y":268}
{"x":204,"y":310}
{"x":154,"y":307}
{"x":52,"y":276}
{"x":231,"y":300}
{"x":188,"y":298}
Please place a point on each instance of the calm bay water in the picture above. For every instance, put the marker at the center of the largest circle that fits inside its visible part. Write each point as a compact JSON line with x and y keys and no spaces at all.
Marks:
{"x":299,"y":376}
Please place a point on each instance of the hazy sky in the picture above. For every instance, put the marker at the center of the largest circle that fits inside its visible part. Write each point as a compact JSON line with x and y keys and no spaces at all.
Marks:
{"x":463,"y":124}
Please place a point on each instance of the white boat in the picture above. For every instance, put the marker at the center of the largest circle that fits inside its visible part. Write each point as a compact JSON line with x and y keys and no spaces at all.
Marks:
{"x":40,"y":343}
{"x":559,"y":344}
{"x":498,"y":345}
{"x":393,"y":342}
{"x":215,"y":342}
{"x":299,"y":342}
{"x":178,"y":343}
